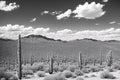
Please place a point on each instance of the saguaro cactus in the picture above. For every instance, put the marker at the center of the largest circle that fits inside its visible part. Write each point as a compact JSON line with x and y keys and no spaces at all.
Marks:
{"x":109,"y":59}
{"x":80,"y":61}
{"x":101,"y":57}
{"x":19,"y":58}
{"x":51,"y":65}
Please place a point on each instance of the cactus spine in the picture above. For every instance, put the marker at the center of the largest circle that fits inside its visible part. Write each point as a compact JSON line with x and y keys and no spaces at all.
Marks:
{"x":51,"y":65}
{"x":80,"y":60}
{"x":19,"y":58}
{"x":109,"y":59}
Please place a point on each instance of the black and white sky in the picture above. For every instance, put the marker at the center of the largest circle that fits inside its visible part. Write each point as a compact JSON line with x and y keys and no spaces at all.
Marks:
{"x":61,"y":19}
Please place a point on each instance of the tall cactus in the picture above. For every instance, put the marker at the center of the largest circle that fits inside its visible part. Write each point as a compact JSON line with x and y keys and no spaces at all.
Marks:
{"x":51,"y":65}
{"x":101,"y":57}
{"x":80,"y":61}
{"x":19,"y":58}
{"x":109,"y":59}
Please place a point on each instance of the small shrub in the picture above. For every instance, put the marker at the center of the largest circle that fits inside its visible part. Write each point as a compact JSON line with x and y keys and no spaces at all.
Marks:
{"x":57,"y":76}
{"x":38,"y":67}
{"x":47,"y":69}
{"x":116,"y":66}
{"x":106,"y":75}
{"x":85,"y":70}
{"x":78,"y":73}
{"x":27,"y":67}
{"x":110,"y":69}
{"x":79,"y":78}
{"x":41,"y":74}
{"x":71,"y":68}
{"x":55,"y":68}
{"x":27,"y":72}
{"x":67,"y":73}
{"x":86,"y":76}
{"x":62,"y":67}
{"x":8,"y":76}
{"x":93,"y":75}
{"x":94,"y":69}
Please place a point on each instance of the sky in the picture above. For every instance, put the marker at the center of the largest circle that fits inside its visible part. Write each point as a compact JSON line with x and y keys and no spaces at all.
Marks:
{"x":61,"y":19}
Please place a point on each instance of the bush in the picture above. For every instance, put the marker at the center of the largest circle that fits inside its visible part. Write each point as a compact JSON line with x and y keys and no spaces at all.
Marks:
{"x":71,"y":68}
{"x":94,"y":69}
{"x":62,"y":67}
{"x":67,"y":73}
{"x":106,"y":75}
{"x":85,"y":70}
{"x":55,"y":68}
{"x":41,"y":74}
{"x":93,"y":75}
{"x":27,"y":72}
{"x":78,"y":73}
{"x":57,"y":76}
{"x":79,"y":78}
{"x":86,"y":76}
{"x":116,"y":66}
{"x":38,"y":67}
{"x":110,"y":69}
{"x":27,"y":67}
{"x":8,"y":76}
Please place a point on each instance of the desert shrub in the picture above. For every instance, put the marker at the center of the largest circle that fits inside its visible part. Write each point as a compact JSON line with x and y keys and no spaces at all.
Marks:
{"x":27,"y":72}
{"x":71,"y":68}
{"x":27,"y":67}
{"x":47,"y":70}
{"x":8,"y":76}
{"x":56,"y":68}
{"x":62,"y":67}
{"x":106,"y":75}
{"x":78,"y":73}
{"x":67,"y":73}
{"x":38,"y":67}
{"x":41,"y":74}
{"x":2,"y":69}
{"x":86,"y":76}
{"x":74,"y":76}
{"x":110,"y":69}
{"x":116,"y":66}
{"x":79,"y":78}
{"x":85,"y":70}
{"x":94,"y":69}
{"x":57,"y":76}
{"x":93,"y":75}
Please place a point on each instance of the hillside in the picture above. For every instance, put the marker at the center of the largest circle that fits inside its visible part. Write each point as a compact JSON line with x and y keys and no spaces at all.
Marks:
{"x":42,"y":46}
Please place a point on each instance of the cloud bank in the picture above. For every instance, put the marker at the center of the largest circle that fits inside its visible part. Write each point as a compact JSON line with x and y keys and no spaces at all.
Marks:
{"x":9,"y":7}
{"x":87,"y":11}
{"x":12,"y":31}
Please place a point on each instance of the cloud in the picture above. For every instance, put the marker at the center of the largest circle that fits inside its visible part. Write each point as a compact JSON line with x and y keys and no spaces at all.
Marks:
{"x":105,"y":0}
{"x":97,"y":24}
{"x":51,"y":13}
{"x":66,"y":14}
{"x":113,"y":22}
{"x":9,"y":7}
{"x":89,"y":11}
{"x":12,"y":31}
{"x":33,"y":20}
{"x":44,"y":12}
{"x":56,"y":12}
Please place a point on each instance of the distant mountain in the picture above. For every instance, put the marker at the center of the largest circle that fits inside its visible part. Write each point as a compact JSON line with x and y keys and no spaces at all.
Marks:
{"x":3,"y":39}
{"x":41,"y":46}
{"x":39,"y":36}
